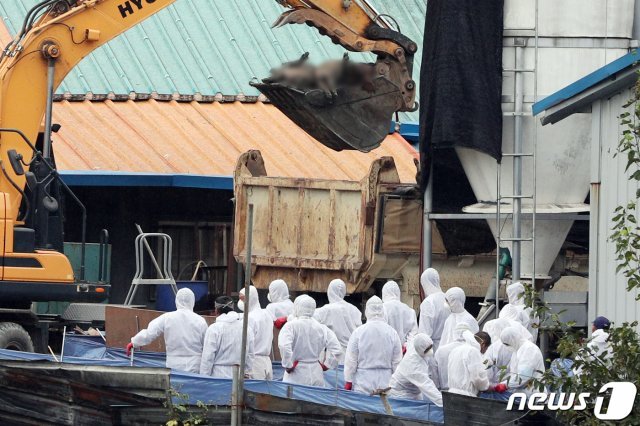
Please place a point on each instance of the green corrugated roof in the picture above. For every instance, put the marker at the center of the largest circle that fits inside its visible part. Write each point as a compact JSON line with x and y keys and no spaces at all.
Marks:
{"x":208,"y":47}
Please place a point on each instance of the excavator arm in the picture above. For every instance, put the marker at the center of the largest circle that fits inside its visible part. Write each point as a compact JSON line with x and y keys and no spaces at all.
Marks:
{"x":57,"y":34}
{"x":342,"y":104}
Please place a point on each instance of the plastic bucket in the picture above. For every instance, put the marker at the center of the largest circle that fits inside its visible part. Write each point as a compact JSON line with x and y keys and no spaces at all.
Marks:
{"x":166,"y":300}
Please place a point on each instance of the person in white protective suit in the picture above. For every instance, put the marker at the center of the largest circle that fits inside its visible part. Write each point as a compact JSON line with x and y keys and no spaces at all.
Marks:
{"x":455,"y":299}
{"x":498,"y":356}
{"x":412,"y":379}
{"x":280,"y":305}
{"x":467,"y":373}
{"x":261,"y":323}
{"x":339,"y":315}
{"x":183,"y":332}
{"x":221,"y":350}
{"x":526,"y":363}
{"x":373,"y":353}
{"x":433,"y":312}
{"x":462,"y":335}
{"x":513,"y":315}
{"x":516,"y":309}
{"x":598,"y":346}
{"x":399,"y":316}
{"x":302,"y":341}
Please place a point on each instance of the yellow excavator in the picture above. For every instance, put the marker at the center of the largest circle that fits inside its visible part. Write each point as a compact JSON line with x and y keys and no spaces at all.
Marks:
{"x":344,"y":105}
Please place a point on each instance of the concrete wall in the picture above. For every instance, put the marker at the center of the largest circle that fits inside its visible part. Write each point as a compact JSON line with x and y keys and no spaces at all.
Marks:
{"x":610,"y":188}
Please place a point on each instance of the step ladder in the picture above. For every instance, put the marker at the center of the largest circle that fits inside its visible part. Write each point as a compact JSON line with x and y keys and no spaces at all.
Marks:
{"x":163,"y":273}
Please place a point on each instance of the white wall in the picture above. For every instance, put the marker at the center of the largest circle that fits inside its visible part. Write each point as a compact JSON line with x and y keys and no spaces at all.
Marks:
{"x":607,"y":290}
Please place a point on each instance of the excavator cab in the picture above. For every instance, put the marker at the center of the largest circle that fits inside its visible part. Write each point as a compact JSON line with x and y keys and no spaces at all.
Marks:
{"x":341,"y":103}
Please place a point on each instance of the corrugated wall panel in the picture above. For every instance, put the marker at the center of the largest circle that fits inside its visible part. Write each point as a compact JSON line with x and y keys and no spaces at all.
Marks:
{"x":612,"y":299}
{"x":209,"y":47}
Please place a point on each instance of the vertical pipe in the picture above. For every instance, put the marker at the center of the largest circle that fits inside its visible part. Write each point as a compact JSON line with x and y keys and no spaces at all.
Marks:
{"x":517,"y":164}
{"x":247,"y":301}
{"x":498,"y":230}
{"x":427,"y":232}
{"x":535,"y":166}
{"x":46,"y":146}
{"x":234,"y":397}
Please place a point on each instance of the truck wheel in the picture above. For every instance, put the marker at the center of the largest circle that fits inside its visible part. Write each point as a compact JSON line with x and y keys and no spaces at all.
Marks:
{"x":14,"y":337}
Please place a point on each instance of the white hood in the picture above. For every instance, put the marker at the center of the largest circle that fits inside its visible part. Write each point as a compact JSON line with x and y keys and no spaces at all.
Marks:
{"x":185,"y":299}
{"x":390,"y":291}
{"x":430,"y":281}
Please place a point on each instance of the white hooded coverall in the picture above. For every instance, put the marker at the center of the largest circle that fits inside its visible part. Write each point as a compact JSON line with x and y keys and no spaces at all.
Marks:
{"x":374,"y":351}
{"x":597,"y":347}
{"x":463,"y":335}
{"x":183,"y":332}
{"x":304,"y":339}
{"x":340,"y":316}
{"x":516,"y":309}
{"x":497,"y":356}
{"x":456,"y":298}
{"x":412,"y":379}
{"x":526,"y":361}
{"x":222,"y":347}
{"x":467,"y":373}
{"x":399,"y":316}
{"x":433,"y":312}
{"x":281,"y":305}
{"x":262,"y":324}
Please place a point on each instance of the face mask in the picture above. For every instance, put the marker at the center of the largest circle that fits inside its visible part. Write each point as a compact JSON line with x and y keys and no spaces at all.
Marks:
{"x":510,"y":348}
{"x":269,"y":297}
{"x":241,"y":305}
{"x":429,"y":352}
{"x":446,"y":305}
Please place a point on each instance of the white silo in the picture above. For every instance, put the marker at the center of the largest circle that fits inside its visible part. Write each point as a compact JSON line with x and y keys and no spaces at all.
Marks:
{"x":548,"y":44}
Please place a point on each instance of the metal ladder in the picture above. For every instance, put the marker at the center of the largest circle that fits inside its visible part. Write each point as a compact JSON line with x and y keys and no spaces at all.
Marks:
{"x":164,"y":276}
{"x":517,"y":157}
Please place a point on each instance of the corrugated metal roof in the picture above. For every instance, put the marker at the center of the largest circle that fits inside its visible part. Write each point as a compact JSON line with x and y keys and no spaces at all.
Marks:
{"x":209,"y":47}
{"x":204,"y":139}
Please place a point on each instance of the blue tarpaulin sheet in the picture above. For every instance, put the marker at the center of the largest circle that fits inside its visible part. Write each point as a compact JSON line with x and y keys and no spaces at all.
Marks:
{"x":92,"y":351}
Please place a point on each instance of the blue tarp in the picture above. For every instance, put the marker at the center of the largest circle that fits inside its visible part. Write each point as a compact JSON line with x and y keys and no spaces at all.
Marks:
{"x":92,"y":351}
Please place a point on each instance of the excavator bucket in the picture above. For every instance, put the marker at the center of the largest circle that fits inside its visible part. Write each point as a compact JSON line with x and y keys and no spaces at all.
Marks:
{"x":355,"y":119}
{"x":342,"y":104}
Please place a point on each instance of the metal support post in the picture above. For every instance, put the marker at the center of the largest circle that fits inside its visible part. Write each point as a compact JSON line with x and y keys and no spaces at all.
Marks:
{"x":234,"y":397}
{"x":498,"y":228}
{"x":247,"y":303}
{"x":427,"y":232}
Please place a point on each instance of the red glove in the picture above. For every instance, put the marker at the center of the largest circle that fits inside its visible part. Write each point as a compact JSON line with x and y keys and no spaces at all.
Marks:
{"x":128,"y":348}
{"x":404,"y":349}
{"x":500,"y":388}
{"x":348,"y":386}
{"x":290,"y":370}
{"x":280,"y":322}
{"x":324,"y":367}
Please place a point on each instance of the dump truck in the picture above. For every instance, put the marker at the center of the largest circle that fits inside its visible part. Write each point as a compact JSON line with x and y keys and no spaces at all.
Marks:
{"x":310,"y":231}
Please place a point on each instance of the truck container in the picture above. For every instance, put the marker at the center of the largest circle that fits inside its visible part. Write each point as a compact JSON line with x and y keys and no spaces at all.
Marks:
{"x":310,"y":231}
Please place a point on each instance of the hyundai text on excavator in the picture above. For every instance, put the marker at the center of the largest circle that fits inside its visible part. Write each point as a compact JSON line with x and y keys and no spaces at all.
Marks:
{"x":344,"y":105}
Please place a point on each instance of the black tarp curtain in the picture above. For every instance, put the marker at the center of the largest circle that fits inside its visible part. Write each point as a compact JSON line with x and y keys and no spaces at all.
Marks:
{"x":461,"y":78}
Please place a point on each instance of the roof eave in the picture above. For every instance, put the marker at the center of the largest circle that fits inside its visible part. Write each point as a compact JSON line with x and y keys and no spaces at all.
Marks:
{"x":615,"y":84}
